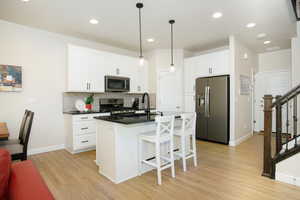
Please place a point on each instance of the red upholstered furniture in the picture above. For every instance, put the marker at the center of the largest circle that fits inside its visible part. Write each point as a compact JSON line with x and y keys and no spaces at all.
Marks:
{"x":21,"y":181}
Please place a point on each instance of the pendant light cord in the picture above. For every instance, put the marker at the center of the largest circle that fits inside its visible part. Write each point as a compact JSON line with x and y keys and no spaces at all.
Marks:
{"x":172,"y":42}
{"x":139,"y":6}
{"x":172,"y":48}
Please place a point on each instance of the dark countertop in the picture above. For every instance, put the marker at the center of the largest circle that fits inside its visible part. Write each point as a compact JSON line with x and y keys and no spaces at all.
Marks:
{"x":82,"y":113}
{"x":94,"y":112}
{"x":130,"y":119}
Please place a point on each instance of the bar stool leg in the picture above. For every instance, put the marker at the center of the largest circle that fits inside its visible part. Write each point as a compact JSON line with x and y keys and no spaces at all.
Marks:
{"x":183,"y":152}
{"x":172,"y":158}
{"x":157,"y":149}
{"x":194,"y":149}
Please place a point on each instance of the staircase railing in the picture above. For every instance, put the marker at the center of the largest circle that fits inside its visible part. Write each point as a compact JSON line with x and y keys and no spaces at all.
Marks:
{"x":283,"y":148}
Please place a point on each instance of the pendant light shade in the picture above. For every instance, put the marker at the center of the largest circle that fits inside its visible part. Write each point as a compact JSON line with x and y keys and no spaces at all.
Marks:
{"x":140,"y":6}
{"x":172,"y":68}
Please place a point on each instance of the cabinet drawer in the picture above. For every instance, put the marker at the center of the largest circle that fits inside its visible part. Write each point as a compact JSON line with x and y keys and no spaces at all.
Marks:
{"x":86,"y":117}
{"x":84,"y":128}
{"x":84,"y":141}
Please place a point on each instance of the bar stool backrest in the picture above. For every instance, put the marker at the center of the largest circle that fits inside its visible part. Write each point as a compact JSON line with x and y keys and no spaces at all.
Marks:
{"x":165,"y":125}
{"x":189,"y":123}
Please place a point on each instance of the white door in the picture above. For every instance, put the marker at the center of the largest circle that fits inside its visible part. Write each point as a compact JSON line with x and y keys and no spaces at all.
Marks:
{"x":169,"y":90}
{"x":273,"y":83}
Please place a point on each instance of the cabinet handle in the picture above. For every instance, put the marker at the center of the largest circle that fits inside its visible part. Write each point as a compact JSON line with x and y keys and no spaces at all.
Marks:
{"x":87,"y":86}
{"x":84,"y":118}
{"x":85,"y":141}
{"x":85,"y":128}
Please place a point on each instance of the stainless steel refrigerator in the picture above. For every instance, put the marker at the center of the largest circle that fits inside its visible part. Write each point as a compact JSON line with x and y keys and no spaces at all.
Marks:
{"x":212,"y":108}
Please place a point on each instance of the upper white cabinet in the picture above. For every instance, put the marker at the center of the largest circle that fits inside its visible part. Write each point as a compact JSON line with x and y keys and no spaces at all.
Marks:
{"x":88,"y":67}
{"x":212,"y":64}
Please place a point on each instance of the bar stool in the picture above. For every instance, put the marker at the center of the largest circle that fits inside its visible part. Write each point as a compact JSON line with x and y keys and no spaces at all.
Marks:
{"x":187,"y":130}
{"x":162,"y":135}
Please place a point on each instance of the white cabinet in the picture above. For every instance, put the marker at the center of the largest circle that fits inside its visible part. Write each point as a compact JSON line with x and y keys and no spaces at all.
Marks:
{"x":219,"y":63}
{"x":88,"y":67}
{"x":77,"y":71}
{"x":212,"y":64}
{"x":80,"y":131}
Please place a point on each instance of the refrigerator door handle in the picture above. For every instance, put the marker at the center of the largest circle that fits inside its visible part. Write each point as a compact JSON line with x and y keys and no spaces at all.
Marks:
{"x":205,"y":102}
{"x":208,"y":101}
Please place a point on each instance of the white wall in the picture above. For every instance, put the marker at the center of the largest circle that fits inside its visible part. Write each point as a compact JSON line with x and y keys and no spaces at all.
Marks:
{"x":241,"y":105}
{"x":275,"y":61}
{"x":288,"y":170}
{"x":43,"y":56}
{"x":296,"y":57}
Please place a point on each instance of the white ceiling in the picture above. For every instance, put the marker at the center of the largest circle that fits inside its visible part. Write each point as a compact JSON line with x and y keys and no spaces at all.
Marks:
{"x":195,"y":29}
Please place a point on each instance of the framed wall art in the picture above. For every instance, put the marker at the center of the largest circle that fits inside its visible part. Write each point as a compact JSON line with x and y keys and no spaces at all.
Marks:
{"x":10,"y":78}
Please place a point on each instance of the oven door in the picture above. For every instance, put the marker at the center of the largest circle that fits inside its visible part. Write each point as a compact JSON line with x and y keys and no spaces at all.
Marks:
{"x":117,"y":84}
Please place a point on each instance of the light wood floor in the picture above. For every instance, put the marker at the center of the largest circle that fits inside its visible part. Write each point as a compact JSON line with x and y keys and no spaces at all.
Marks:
{"x":223,"y":173}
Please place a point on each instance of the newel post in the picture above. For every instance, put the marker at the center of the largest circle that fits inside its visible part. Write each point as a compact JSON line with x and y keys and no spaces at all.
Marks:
{"x":267,"y":134}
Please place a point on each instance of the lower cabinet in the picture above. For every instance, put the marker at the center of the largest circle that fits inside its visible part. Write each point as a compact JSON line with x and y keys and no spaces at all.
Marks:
{"x":80,"y":131}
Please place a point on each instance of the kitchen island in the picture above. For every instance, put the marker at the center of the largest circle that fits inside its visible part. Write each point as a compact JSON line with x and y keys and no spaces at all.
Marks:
{"x":117,"y":149}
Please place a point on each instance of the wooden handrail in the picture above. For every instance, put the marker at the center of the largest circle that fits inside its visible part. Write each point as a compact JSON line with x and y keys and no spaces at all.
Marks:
{"x":288,"y":96}
{"x":289,"y":135}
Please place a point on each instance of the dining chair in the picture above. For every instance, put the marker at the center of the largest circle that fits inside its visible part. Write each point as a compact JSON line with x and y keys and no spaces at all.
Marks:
{"x":19,"y":151}
{"x":21,"y":132}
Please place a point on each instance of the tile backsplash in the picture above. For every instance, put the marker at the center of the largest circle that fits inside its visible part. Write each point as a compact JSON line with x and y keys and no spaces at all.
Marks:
{"x":69,"y":99}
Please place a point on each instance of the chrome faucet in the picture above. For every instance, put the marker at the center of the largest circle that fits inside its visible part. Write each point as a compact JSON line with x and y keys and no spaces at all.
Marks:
{"x":147,"y":110}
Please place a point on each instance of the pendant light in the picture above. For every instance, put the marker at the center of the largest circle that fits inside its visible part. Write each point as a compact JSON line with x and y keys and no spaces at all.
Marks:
{"x":140,"y":6}
{"x":172,"y":68}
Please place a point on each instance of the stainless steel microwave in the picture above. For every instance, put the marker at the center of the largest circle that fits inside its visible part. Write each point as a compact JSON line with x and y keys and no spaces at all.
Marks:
{"x":117,"y":84}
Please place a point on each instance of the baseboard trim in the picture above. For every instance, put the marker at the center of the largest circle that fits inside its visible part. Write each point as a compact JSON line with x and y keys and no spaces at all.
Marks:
{"x":287,"y":179}
{"x":234,"y":143}
{"x":45,"y":149}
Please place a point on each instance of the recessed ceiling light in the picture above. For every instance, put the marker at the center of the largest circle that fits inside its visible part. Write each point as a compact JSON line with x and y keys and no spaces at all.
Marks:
{"x":267,"y":42}
{"x":150,"y":40}
{"x":251,"y":25}
{"x":94,"y":21}
{"x":273,"y":48}
{"x":261,"y":35}
{"x":24,"y":0}
{"x":217,"y":15}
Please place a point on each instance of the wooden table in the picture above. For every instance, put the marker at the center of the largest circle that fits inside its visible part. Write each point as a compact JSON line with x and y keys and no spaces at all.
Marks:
{"x":4,"y":134}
